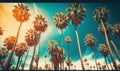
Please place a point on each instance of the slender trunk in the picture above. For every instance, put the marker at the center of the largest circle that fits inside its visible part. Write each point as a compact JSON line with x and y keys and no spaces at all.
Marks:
{"x":13,"y":49}
{"x":25,"y":58}
{"x":79,"y":50}
{"x":106,"y":63}
{"x":68,"y":55}
{"x":33,"y":54}
{"x":38,"y":52}
{"x":116,"y":50}
{"x":18,"y":62}
{"x":62,"y":40}
{"x":109,"y":63}
{"x":108,"y":44}
{"x":94,"y":57}
{"x":11,"y":53}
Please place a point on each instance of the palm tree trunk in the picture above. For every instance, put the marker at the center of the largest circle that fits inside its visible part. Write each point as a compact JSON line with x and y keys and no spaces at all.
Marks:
{"x":79,"y":50}
{"x":106,"y":63}
{"x":116,"y":50}
{"x":25,"y":58}
{"x":18,"y":62}
{"x":13,"y":49}
{"x":33,"y":54}
{"x":68,"y":55}
{"x":38,"y":52}
{"x":109,"y":63}
{"x":94,"y":57}
{"x":108,"y":44}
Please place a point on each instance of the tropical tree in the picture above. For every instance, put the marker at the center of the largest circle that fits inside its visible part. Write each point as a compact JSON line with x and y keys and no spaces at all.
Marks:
{"x":76,"y":13}
{"x":19,"y":51}
{"x":1,"y":31}
{"x":68,"y":40}
{"x":104,"y":51}
{"x":101,"y":14}
{"x":21,"y":14}
{"x":90,"y":41}
{"x":32,"y":37}
{"x":110,"y":29}
{"x":40,"y":25}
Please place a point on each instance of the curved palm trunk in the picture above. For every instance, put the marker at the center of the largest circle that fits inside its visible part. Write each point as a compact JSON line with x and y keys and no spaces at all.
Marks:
{"x":116,"y":50}
{"x":25,"y":59}
{"x":106,"y":63}
{"x":18,"y":62}
{"x":68,"y":55}
{"x":13,"y":49}
{"x":38,"y":53}
{"x":110,"y":63}
{"x":108,"y":44}
{"x":79,"y":50}
{"x":95,"y":58}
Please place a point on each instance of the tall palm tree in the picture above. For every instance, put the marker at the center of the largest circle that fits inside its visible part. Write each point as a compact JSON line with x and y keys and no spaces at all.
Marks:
{"x":76,"y":13}
{"x":60,"y":22}
{"x":104,"y":51}
{"x":101,"y":14}
{"x":40,"y":25}
{"x":110,"y":29}
{"x":90,"y":41}
{"x":32,"y":37}
{"x":68,"y":40}
{"x":19,"y":51}
{"x":21,"y":14}
{"x":1,"y":31}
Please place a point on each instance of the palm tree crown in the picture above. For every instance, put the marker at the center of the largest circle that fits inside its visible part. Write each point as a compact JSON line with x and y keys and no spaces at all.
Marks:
{"x":101,"y":13}
{"x":76,"y":12}
{"x":103,"y":49}
{"x":9,"y":42}
{"x":3,"y":52}
{"x":60,"y":21}
{"x":30,"y":37}
{"x":68,"y":39}
{"x":90,"y":40}
{"x":40,"y":24}
{"x":21,"y":12}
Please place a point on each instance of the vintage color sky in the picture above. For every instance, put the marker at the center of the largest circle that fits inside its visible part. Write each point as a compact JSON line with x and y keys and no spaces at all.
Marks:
{"x":48,"y":10}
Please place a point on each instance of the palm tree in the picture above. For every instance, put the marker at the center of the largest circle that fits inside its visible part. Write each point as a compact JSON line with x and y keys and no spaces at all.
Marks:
{"x":76,"y":13}
{"x":60,"y":22}
{"x":116,"y":30}
{"x":104,"y":51}
{"x":3,"y":54}
{"x":102,"y":15}
{"x":21,"y":14}
{"x":32,"y":38}
{"x":1,"y":31}
{"x":110,"y":29}
{"x":90,"y":41}
{"x":40,"y":25}
{"x":68,"y":40}
{"x":19,"y":51}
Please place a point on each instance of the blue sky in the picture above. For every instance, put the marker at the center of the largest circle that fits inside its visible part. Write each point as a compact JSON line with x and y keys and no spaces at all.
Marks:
{"x":88,"y":25}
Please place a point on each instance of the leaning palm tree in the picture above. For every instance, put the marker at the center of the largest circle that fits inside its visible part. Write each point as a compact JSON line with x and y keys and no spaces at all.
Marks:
{"x":1,"y":31}
{"x":60,"y":22}
{"x":110,"y":29}
{"x":90,"y":41}
{"x":21,"y":14}
{"x":101,"y":14}
{"x":76,"y":13}
{"x":68,"y":40}
{"x":32,"y":38}
{"x":40,"y":25}
{"x":104,"y":51}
